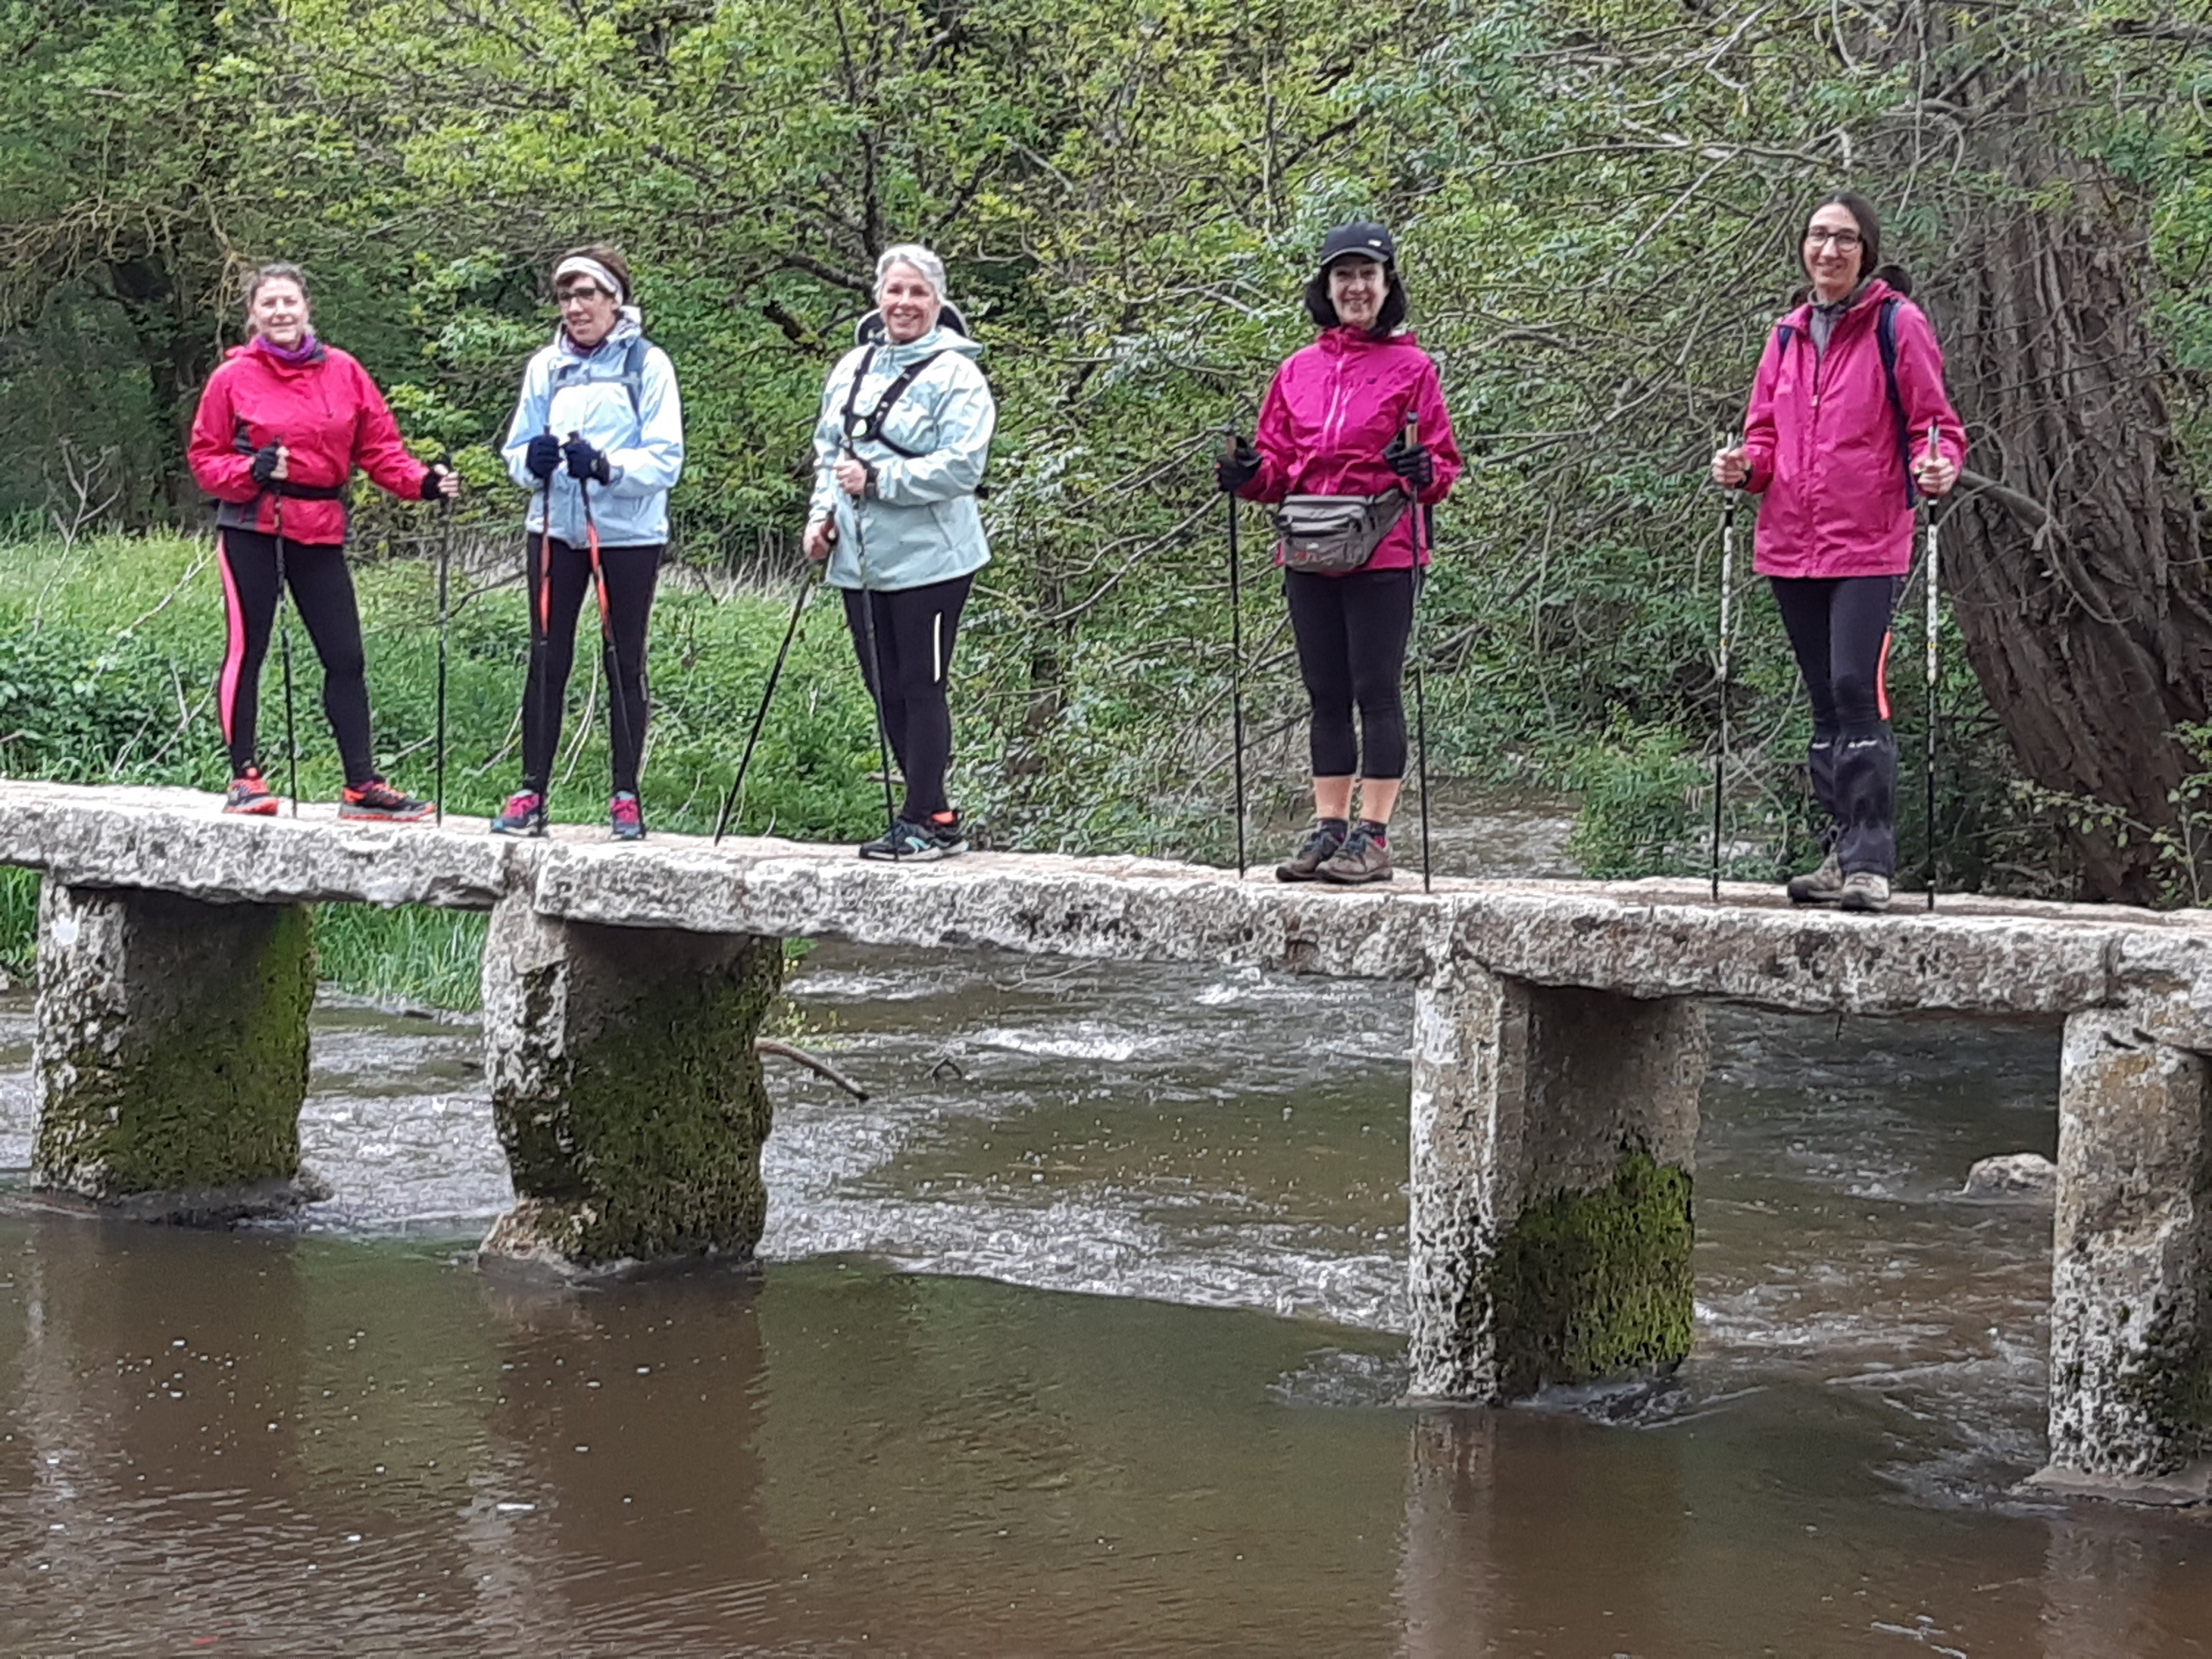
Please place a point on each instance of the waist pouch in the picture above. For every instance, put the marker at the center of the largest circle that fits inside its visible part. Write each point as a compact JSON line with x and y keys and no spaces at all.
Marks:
{"x":1328,"y":534}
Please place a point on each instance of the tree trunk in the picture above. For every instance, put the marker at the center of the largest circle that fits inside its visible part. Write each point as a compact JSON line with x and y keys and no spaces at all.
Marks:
{"x":2078,"y":577}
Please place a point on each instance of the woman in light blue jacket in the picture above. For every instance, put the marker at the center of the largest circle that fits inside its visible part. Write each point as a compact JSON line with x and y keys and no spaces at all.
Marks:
{"x":900,"y":447}
{"x":597,"y":439}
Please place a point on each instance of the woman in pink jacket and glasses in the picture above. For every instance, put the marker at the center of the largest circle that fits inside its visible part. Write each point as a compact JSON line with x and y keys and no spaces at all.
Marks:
{"x":1355,"y":422}
{"x":1836,"y":443}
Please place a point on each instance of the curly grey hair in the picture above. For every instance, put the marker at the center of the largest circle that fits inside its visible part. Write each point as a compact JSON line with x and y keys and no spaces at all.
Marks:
{"x":913,"y":254}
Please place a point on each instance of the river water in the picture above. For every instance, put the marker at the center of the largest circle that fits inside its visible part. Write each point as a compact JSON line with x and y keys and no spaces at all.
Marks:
{"x":1082,"y":1337}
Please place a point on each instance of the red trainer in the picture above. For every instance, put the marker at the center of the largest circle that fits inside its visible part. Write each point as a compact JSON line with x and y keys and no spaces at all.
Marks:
{"x":378,"y":799}
{"x":250,"y":795}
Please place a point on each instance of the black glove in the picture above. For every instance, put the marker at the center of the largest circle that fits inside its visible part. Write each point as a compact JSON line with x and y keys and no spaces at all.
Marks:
{"x":544,"y":457}
{"x":431,"y":481}
{"x":1411,"y":462}
{"x":586,"y":462}
{"x":265,"y":463}
{"x":1232,"y":471}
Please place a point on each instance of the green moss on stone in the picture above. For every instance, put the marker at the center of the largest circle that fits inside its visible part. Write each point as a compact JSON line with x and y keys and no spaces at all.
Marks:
{"x":1587,"y":1286}
{"x":656,"y":1151}
{"x":204,"y":1088}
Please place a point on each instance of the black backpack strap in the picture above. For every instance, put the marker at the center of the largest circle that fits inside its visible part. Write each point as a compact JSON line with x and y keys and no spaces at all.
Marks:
{"x":861,"y":428}
{"x":1885,"y":332}
{"x":632,"y":374}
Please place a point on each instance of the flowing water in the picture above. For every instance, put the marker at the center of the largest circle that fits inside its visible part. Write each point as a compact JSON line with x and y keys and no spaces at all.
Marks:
{"x":1082,"y":1337}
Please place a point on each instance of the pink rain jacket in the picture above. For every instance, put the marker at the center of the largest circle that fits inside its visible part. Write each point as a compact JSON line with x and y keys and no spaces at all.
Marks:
{"x":1334,"y":407}
{"x":1822,"y":438}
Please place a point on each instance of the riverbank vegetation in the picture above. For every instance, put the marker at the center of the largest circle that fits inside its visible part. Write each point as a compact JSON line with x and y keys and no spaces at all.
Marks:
{"x":1599,"y":207}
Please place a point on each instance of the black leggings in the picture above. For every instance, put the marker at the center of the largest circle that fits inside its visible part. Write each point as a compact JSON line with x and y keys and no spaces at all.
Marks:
{"x":1351,"y":633}
{"x":322,"y":593}
{"x":631,"y":574}
{"x":1838,"y":627}
{"x":914,"y":631}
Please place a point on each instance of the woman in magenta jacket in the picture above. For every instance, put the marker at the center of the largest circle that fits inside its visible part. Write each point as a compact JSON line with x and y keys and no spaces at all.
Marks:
{"x":1837,"y":444}
{"x":1335,"y":423}
{"x":284,"y":421}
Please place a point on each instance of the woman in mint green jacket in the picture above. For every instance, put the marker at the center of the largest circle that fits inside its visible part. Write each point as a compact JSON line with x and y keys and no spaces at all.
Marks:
{"x":899,"y":449}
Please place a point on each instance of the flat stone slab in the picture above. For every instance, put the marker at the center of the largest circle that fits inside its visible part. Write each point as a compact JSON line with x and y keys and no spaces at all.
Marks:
{"x":1649,"y":938}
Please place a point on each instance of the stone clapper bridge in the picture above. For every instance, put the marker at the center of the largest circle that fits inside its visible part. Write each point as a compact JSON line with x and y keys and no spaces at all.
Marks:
{"x":1558,"y":1050}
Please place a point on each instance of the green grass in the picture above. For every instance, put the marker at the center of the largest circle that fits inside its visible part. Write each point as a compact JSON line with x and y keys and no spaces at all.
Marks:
{"x":108,"y":657}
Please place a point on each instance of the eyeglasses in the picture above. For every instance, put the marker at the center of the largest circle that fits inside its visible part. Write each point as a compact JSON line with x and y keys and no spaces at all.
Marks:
{"x":1846,"y":241}
{"x":580,"y":291}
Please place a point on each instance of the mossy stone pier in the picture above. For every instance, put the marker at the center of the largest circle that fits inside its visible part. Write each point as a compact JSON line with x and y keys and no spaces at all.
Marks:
{"x":1552,"y":1138}
{"x":1559,"y":1051}
{"x":627,"y":1090}
{"x":170,"y":1049}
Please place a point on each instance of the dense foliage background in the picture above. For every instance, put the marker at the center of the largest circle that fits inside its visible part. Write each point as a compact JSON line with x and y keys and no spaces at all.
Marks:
{"x":1599,"y":200}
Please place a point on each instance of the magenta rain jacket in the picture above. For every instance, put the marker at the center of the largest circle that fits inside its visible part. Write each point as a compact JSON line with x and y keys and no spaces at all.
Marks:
{"x":1334,"y":407}
{"x":1823,"y":444}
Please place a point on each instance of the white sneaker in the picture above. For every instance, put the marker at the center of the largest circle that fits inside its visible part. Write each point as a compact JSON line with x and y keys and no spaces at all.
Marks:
{"x":1865,"y":890}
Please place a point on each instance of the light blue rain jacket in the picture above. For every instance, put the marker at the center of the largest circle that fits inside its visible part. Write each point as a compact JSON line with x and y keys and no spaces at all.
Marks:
{"x":563,"y":392}
{"x":920,"y":523}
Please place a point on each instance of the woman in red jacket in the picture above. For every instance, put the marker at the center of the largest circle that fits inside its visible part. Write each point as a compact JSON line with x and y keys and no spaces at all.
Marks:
{"x":1850,"y":384}
{"x":1332,"y":439}
{"x":283,"y":424}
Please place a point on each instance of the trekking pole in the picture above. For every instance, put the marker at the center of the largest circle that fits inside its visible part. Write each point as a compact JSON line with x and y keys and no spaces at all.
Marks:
{"x":1934,"y":630}
{"x":768,"y":695}
{"x":1236,"y":659}
{"x":875,"y":666}
{"x":445,"y":565}
{"x":284,"y":650}
{"x":618,"y":704}
{"x":541,"y":627}
{"x":1728,"y":585}
{"x":1425,"y":532}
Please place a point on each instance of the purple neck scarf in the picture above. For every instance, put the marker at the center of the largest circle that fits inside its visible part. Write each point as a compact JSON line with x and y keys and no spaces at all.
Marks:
{"x":301,"y":353}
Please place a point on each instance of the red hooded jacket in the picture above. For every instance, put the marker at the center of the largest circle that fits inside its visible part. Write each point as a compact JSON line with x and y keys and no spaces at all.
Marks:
{"x":1822,"y":436}
{"x":1334,"y":407}
{"x":327,"y":412}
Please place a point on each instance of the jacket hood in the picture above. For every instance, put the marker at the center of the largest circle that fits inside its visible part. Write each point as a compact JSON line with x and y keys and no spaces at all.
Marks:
{"x":1345,"y":339}
{"x":1872,"y":292}
{"x":938,"y":339}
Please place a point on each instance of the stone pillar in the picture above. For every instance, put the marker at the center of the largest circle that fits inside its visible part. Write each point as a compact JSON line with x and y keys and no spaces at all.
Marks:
{"x":626,"y":1090}
{"x":2131,"y":1262}
{"x":1552,"y":1133}
{"x":172,"y":1050}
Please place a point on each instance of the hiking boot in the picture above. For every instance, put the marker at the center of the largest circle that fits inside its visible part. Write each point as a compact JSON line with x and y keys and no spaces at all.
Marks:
{"x":945,"y":833}
{"x":378,"y":799}
{"x":1304,"y":865}
{"x":1361,"y":858}
{"x":1865,"y":890}
{"x":250,"y":795}
{"x":911,"y":843}
{"x":1822,"y":886}
{"x":523,"y":815}
{"x":627,"y":817}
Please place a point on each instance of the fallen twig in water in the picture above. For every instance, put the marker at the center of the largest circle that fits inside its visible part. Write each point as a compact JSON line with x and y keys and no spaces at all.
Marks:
{"x":813,"y":1063}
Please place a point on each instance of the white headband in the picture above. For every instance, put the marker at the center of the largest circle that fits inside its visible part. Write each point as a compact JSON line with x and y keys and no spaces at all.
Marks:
{"x":577,"y":265}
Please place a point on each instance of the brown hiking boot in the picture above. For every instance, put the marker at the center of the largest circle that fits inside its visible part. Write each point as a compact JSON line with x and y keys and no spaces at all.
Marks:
{"x":1865,"y":890}
{"x":1305,"y":864}
{"x":1362,"y":859}
{"x":1822,"y":886}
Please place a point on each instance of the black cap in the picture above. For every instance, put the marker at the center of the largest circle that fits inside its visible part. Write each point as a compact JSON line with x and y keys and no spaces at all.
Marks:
{"x":1360,"y":238}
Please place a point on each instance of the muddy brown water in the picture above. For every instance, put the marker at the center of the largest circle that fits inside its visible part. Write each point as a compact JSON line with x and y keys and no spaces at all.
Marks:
{"x":1082,"y":1338}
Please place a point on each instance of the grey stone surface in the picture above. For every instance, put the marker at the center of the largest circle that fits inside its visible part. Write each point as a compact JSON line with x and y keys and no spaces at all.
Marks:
{"x":626,"y":1089}
{"x":2014,"y":1176}
{"x":171,"y":1048}
{"x":2131,"y":1263}
{"x":1554,"y":1131}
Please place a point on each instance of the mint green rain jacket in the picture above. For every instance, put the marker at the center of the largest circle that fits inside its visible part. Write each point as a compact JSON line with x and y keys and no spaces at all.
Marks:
{"x":918,"y":524}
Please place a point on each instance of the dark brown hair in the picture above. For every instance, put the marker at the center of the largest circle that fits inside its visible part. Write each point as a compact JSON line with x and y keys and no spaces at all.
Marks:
{"x":1388,"y":317}
{"x":279,"y":271}
{"x":601,"y":253}
{"x":1870,"y":224}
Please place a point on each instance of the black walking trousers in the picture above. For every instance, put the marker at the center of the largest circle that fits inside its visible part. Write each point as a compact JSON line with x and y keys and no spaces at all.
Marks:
{"x":914,"y":627}
{"x":322,"y":592}
{"x":1351,"y":632}
{"x":1838,"y":626}
{"x":631,"y":575}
